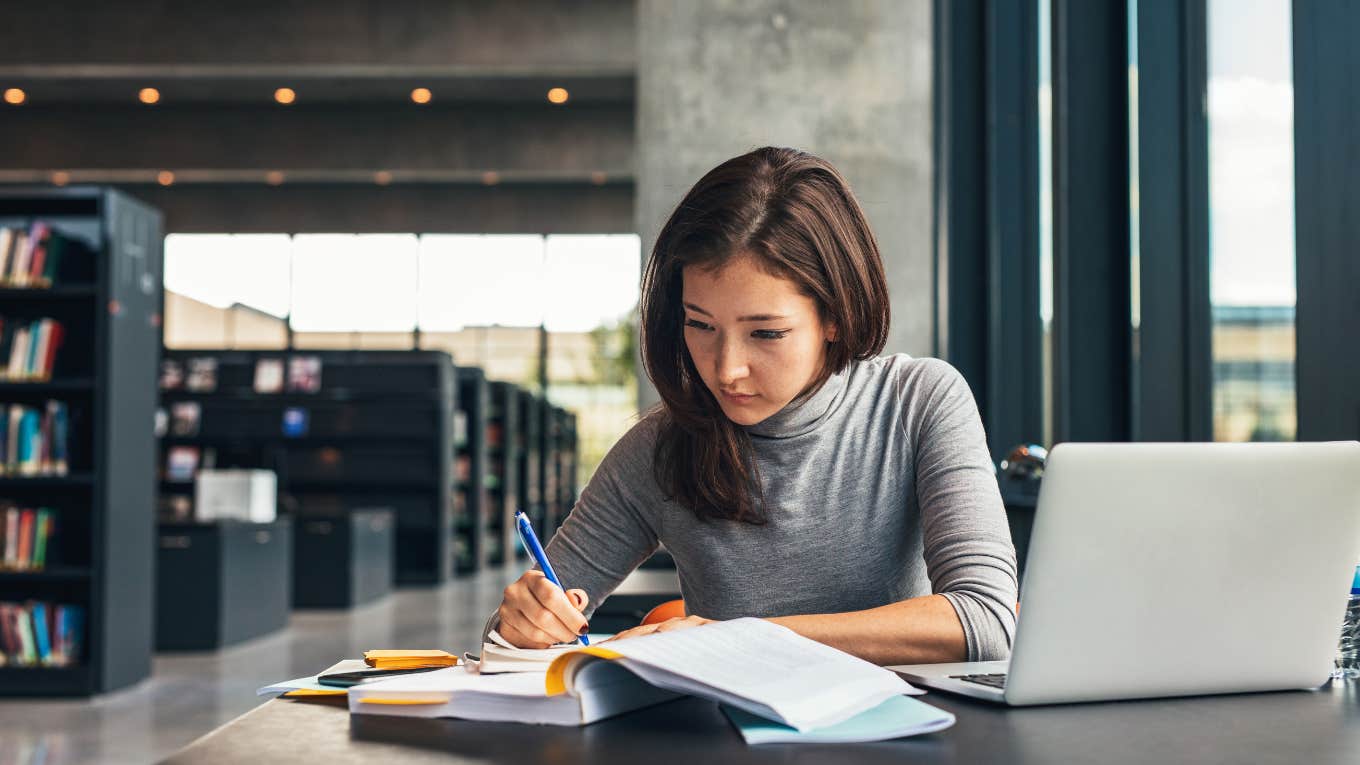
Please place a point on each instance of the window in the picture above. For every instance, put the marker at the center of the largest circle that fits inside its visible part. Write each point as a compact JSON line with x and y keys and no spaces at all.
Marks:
{"x":1251,"y":218}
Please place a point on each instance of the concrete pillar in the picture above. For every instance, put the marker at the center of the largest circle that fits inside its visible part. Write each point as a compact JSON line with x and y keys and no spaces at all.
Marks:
{"x":847,"y":81}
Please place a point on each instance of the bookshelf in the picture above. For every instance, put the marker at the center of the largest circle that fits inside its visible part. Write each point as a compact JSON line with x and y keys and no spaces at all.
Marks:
{"x":562,"y":466}
{"x":503,"y":448}
{"x":106,"y":293}
{"x":530,"y":453}
{"x":368,"y":429}
{"x":471,"y":499}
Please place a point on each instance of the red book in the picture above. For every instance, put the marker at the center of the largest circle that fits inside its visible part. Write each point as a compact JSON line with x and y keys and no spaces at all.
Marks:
{"x":49,"y":362}
{"x":25,"y":538}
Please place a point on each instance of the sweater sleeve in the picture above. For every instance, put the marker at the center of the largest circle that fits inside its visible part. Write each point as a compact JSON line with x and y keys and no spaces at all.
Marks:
{"x":968,"y":550}
{"x":611,"y":529}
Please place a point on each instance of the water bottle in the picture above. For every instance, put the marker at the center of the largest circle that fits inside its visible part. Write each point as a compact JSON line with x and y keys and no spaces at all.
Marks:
{"x":1348,"y":651}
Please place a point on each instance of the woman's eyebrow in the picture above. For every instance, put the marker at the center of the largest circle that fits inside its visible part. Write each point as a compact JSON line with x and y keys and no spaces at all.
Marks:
{"x":752,"y":317}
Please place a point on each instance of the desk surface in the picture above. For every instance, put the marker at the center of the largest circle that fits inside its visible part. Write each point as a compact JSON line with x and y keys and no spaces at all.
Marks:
{"x":1321,"y":727}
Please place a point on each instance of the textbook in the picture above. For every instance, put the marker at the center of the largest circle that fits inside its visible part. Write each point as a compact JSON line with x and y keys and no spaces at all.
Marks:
{"x":750,"y":664}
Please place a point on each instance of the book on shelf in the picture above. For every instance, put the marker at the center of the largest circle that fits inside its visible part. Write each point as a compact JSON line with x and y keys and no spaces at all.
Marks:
{"x":185,"y":418}
{"x":41,"y":634}
{"x":304,"y":374}
{"x":25,"y":537}
{"x":172,"y":374}
{"x":181,"y":463}
{"x":201,"y":375}
{"x":31,"y":258}
{"x":28,"y":348}
{"x":296,"y":422}
{"x":268,"y":375}
{"x":34,"y":441}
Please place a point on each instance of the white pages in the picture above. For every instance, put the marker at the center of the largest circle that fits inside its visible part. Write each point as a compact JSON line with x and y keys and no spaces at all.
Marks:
{"x":511,"y":697}
{"x":761,"y":667}
{"x":498,"y":655}
{"x":751,"y":664}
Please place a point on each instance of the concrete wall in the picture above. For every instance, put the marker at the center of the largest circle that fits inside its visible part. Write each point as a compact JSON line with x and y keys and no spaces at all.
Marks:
{"x":848,"y":81}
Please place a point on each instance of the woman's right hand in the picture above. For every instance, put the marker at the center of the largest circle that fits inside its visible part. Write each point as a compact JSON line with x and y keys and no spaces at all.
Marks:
{"x":535,"y":613}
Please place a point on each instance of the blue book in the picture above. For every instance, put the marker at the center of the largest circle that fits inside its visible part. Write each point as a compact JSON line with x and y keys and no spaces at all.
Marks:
{"x":40,"y":636}
{"x":57,"y":449}
{"x":897,"y":717}
{"x":28,"y":442}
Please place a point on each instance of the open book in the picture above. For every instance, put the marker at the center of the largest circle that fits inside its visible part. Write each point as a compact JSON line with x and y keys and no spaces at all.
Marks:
{"x":750,"y":664}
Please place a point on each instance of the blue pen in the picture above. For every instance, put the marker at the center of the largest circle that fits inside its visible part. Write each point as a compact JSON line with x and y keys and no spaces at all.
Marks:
{"x":530,"y":541}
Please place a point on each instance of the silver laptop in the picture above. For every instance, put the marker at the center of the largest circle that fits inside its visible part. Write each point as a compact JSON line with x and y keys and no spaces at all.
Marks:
{"x":1175,"y":570}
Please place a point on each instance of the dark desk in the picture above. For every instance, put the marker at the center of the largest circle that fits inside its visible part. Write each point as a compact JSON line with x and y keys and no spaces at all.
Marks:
{"x":1319,"y":728}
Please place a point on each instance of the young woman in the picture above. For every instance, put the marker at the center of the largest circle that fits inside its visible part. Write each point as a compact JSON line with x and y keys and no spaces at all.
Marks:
{"x":791,"y":472}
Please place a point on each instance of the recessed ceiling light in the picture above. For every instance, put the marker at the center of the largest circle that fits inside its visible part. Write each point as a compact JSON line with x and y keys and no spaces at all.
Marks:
{"x":165,"y":177}
{"x":421,"y":95}
{"x":61,"y":178}
{"x":273,"y":177}
{"x":491,"y":178}
{"x":382,"y":177}
{"x":558,"y":95}
{"x":15,"y":96}
{"x":148,"y":95}
{"x":598,"y":178}
{"x":285,"y":95}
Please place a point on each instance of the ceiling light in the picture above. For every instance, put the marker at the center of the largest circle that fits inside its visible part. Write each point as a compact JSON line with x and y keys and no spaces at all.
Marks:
{"x":285,"y":95}
{"x":15,"y":96}
{"x":61,"y":178}
{"x":421,"y":95}
{"x":491,"y":178}
{"x":382,"y":177}
{"x":558,"y":95}
{"x":598,"y":178}
{"x":148,"y":95}
{"x":273,"y":177}
{"x":165,"y":177}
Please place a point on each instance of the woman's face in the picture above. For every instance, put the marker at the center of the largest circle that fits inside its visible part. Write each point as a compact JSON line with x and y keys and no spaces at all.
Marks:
{"x":757,"y":341}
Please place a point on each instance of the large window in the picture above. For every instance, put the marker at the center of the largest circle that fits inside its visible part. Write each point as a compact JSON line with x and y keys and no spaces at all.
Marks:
{"x":495,"y":301}
{"x":1251,"y":236}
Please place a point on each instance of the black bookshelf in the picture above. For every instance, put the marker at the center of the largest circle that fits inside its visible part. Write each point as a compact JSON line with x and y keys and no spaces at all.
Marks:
{"x":530,"y":453}
{"x":107,"y":295}
{"x":378,"y":433}
{"x":503,"y":450}
{"x":561,"y":467}
{"x":471,"y":498}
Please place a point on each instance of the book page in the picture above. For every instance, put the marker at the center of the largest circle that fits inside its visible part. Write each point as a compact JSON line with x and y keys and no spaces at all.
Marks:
{"x":804,"y":681}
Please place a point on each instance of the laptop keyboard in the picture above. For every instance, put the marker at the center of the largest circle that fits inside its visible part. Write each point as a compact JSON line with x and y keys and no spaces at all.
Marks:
{"x":997,"y":680}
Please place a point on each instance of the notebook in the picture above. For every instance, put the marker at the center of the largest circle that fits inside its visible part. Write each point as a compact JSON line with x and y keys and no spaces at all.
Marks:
{"x":751,"y":664}
{"x":498,"y":655}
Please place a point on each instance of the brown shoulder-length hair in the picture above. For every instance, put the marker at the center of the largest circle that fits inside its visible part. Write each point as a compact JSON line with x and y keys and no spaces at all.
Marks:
{"x":797,"y":217}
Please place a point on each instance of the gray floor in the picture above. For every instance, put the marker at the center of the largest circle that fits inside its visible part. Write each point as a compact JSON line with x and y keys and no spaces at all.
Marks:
{"x":189,"y":695}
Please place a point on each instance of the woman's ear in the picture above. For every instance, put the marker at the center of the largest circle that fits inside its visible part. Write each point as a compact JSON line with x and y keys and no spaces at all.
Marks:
{"x":831,"y":333}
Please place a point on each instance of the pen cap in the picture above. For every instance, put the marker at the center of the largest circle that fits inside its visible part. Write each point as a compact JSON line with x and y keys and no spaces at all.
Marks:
{"x":1355,"y":583}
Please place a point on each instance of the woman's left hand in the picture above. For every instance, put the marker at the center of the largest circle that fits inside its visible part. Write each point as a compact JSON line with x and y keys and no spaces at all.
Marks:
{"x":678,"y":623}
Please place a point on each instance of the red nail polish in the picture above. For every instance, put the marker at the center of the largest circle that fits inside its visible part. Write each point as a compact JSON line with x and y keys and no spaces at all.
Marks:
{"x":584,"y":629}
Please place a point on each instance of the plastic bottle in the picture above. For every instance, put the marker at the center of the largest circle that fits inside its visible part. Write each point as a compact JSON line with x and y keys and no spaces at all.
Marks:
{"x":1348,"y":651}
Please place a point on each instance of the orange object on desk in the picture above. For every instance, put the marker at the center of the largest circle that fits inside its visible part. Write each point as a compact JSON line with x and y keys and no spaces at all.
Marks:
{"x":408,"y":659}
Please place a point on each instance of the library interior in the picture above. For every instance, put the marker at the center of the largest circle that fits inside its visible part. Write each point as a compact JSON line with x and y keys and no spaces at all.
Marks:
{"x":552,"y":382}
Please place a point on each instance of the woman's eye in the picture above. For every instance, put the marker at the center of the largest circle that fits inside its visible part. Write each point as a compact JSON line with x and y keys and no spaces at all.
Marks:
{"x":696,"y":324}
{"x":769,"y":334}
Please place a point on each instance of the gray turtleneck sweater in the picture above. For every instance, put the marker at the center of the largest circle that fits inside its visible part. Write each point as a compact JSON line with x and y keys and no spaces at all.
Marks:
{"x":879,"y":488}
